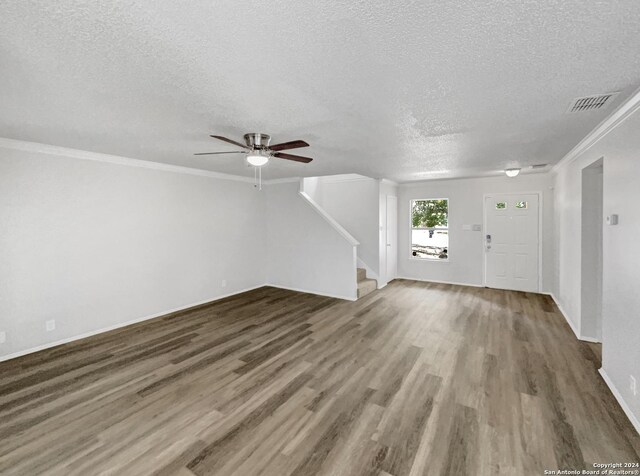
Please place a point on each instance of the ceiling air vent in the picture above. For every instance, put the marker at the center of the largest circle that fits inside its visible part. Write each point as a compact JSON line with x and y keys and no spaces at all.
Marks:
{"x":591,"y":103}
{"x":538,"y":166}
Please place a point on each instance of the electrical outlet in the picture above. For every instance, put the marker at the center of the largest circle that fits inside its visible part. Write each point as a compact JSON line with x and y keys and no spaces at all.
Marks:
{"x":632,"y":385}
{"x":3,"y":337}
{"x":50,"y":325}
{"x":224,"y":283}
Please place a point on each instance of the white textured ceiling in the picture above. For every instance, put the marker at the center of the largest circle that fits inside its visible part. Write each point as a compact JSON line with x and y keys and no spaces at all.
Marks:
{"x":405,"y":90}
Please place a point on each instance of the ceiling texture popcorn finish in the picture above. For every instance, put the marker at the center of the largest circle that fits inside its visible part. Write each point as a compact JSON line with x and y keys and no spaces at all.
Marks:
{"x":407,"y":90}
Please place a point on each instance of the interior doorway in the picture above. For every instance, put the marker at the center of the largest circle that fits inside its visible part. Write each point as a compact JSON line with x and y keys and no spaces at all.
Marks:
{"x":591,"y":251}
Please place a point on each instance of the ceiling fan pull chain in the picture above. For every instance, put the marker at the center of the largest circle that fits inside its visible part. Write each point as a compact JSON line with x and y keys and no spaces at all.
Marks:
{"x":257,"y":178}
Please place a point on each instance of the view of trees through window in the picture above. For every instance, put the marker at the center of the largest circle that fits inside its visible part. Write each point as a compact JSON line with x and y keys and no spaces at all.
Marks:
{"x":430,"y":228}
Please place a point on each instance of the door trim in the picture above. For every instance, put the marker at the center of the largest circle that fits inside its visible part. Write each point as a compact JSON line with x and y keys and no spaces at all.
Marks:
{"x":484,"y":232}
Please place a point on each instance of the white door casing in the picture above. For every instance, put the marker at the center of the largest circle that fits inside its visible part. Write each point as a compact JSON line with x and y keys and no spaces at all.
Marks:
{"x":511,"y":242}
{"x":392,"y":238}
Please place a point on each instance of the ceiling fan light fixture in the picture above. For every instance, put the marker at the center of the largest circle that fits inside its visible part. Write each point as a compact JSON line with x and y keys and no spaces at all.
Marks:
{"x":258,"y":150}
{"x":512,"y":172}
{"x":257,"y":160}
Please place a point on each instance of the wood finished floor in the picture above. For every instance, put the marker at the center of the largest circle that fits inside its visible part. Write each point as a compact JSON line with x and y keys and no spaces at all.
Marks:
{"x":416,"y":378}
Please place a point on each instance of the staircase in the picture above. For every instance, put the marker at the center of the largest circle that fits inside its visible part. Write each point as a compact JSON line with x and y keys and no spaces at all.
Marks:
{"x":365,"y":285}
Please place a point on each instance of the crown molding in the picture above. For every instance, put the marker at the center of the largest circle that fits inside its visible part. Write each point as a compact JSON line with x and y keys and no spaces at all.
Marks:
{"x":339,"y":178}
{"x":617,"y":117}
{"x":491,"y":175}
{"x":327,"y":179}
{"x":281,"y":180}
{"x":36,"y":147}
{"x":389,"y":182}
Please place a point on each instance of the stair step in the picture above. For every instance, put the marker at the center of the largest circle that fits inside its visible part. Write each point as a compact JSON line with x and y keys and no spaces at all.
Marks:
{"x":362,"y":274}
{"x":366,"y":286}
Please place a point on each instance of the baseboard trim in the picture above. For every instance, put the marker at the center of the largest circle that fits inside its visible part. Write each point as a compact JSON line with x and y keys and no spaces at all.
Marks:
{"x":120,"y":325}
{"x":618,"y":396}
{"x":564,"y":314}
{"x":571,"y":324}
{"x":590,"y":339}
{"x":440,"y":282}
{"x":346,"y":298}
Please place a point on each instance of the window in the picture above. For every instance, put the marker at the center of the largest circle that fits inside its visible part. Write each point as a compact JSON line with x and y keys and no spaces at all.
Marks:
{"x":501,"y":205}
{"x":430,"y":229}
{"x":521,"y":204}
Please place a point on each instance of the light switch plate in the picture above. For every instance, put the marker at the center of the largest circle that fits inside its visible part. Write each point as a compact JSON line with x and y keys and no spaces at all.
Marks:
{"x":50,"y":325}
{"x":3,"y":337}
{"x":477,"y":227}
{"x":466,"y":227}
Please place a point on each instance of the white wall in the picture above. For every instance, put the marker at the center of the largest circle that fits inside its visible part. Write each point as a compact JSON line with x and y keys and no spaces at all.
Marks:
{"x":620,"y":149}
{"x":305,"y":252}
{"x":94,"y":245}
{"x":312,"y":186}
{"x":352,"y":200}
{"x":358,"y":204}
{"x":465,"y":264}
{"x":591,"y":253}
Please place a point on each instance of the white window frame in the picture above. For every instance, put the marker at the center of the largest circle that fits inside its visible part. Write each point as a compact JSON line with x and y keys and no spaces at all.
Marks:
{"x":435,"y":228}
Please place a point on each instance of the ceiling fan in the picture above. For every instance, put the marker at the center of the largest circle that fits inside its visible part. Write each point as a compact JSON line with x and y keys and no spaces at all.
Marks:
{"x":258,"y":150}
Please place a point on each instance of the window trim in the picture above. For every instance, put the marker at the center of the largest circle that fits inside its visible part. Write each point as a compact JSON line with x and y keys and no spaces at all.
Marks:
{"x":411,"y":228}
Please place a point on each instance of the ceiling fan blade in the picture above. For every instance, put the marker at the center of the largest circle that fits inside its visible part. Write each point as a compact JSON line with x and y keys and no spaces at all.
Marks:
{"x":294,"y":144}
{"x":244,"y":146}
{"x":297,"y":158}
{"x":215,"y":153}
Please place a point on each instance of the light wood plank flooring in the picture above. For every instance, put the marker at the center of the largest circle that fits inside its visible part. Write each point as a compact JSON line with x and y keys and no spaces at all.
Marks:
{"x":413,"y":379}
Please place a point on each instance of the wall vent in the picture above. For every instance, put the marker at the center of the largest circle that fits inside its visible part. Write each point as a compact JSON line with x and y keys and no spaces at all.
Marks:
{"x":591,"y":103}
{"x":538,"y":166}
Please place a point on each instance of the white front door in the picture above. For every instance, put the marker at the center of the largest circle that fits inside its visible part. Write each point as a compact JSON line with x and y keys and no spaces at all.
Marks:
{"x":511,"y":240}
{"x":392,"y":237}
